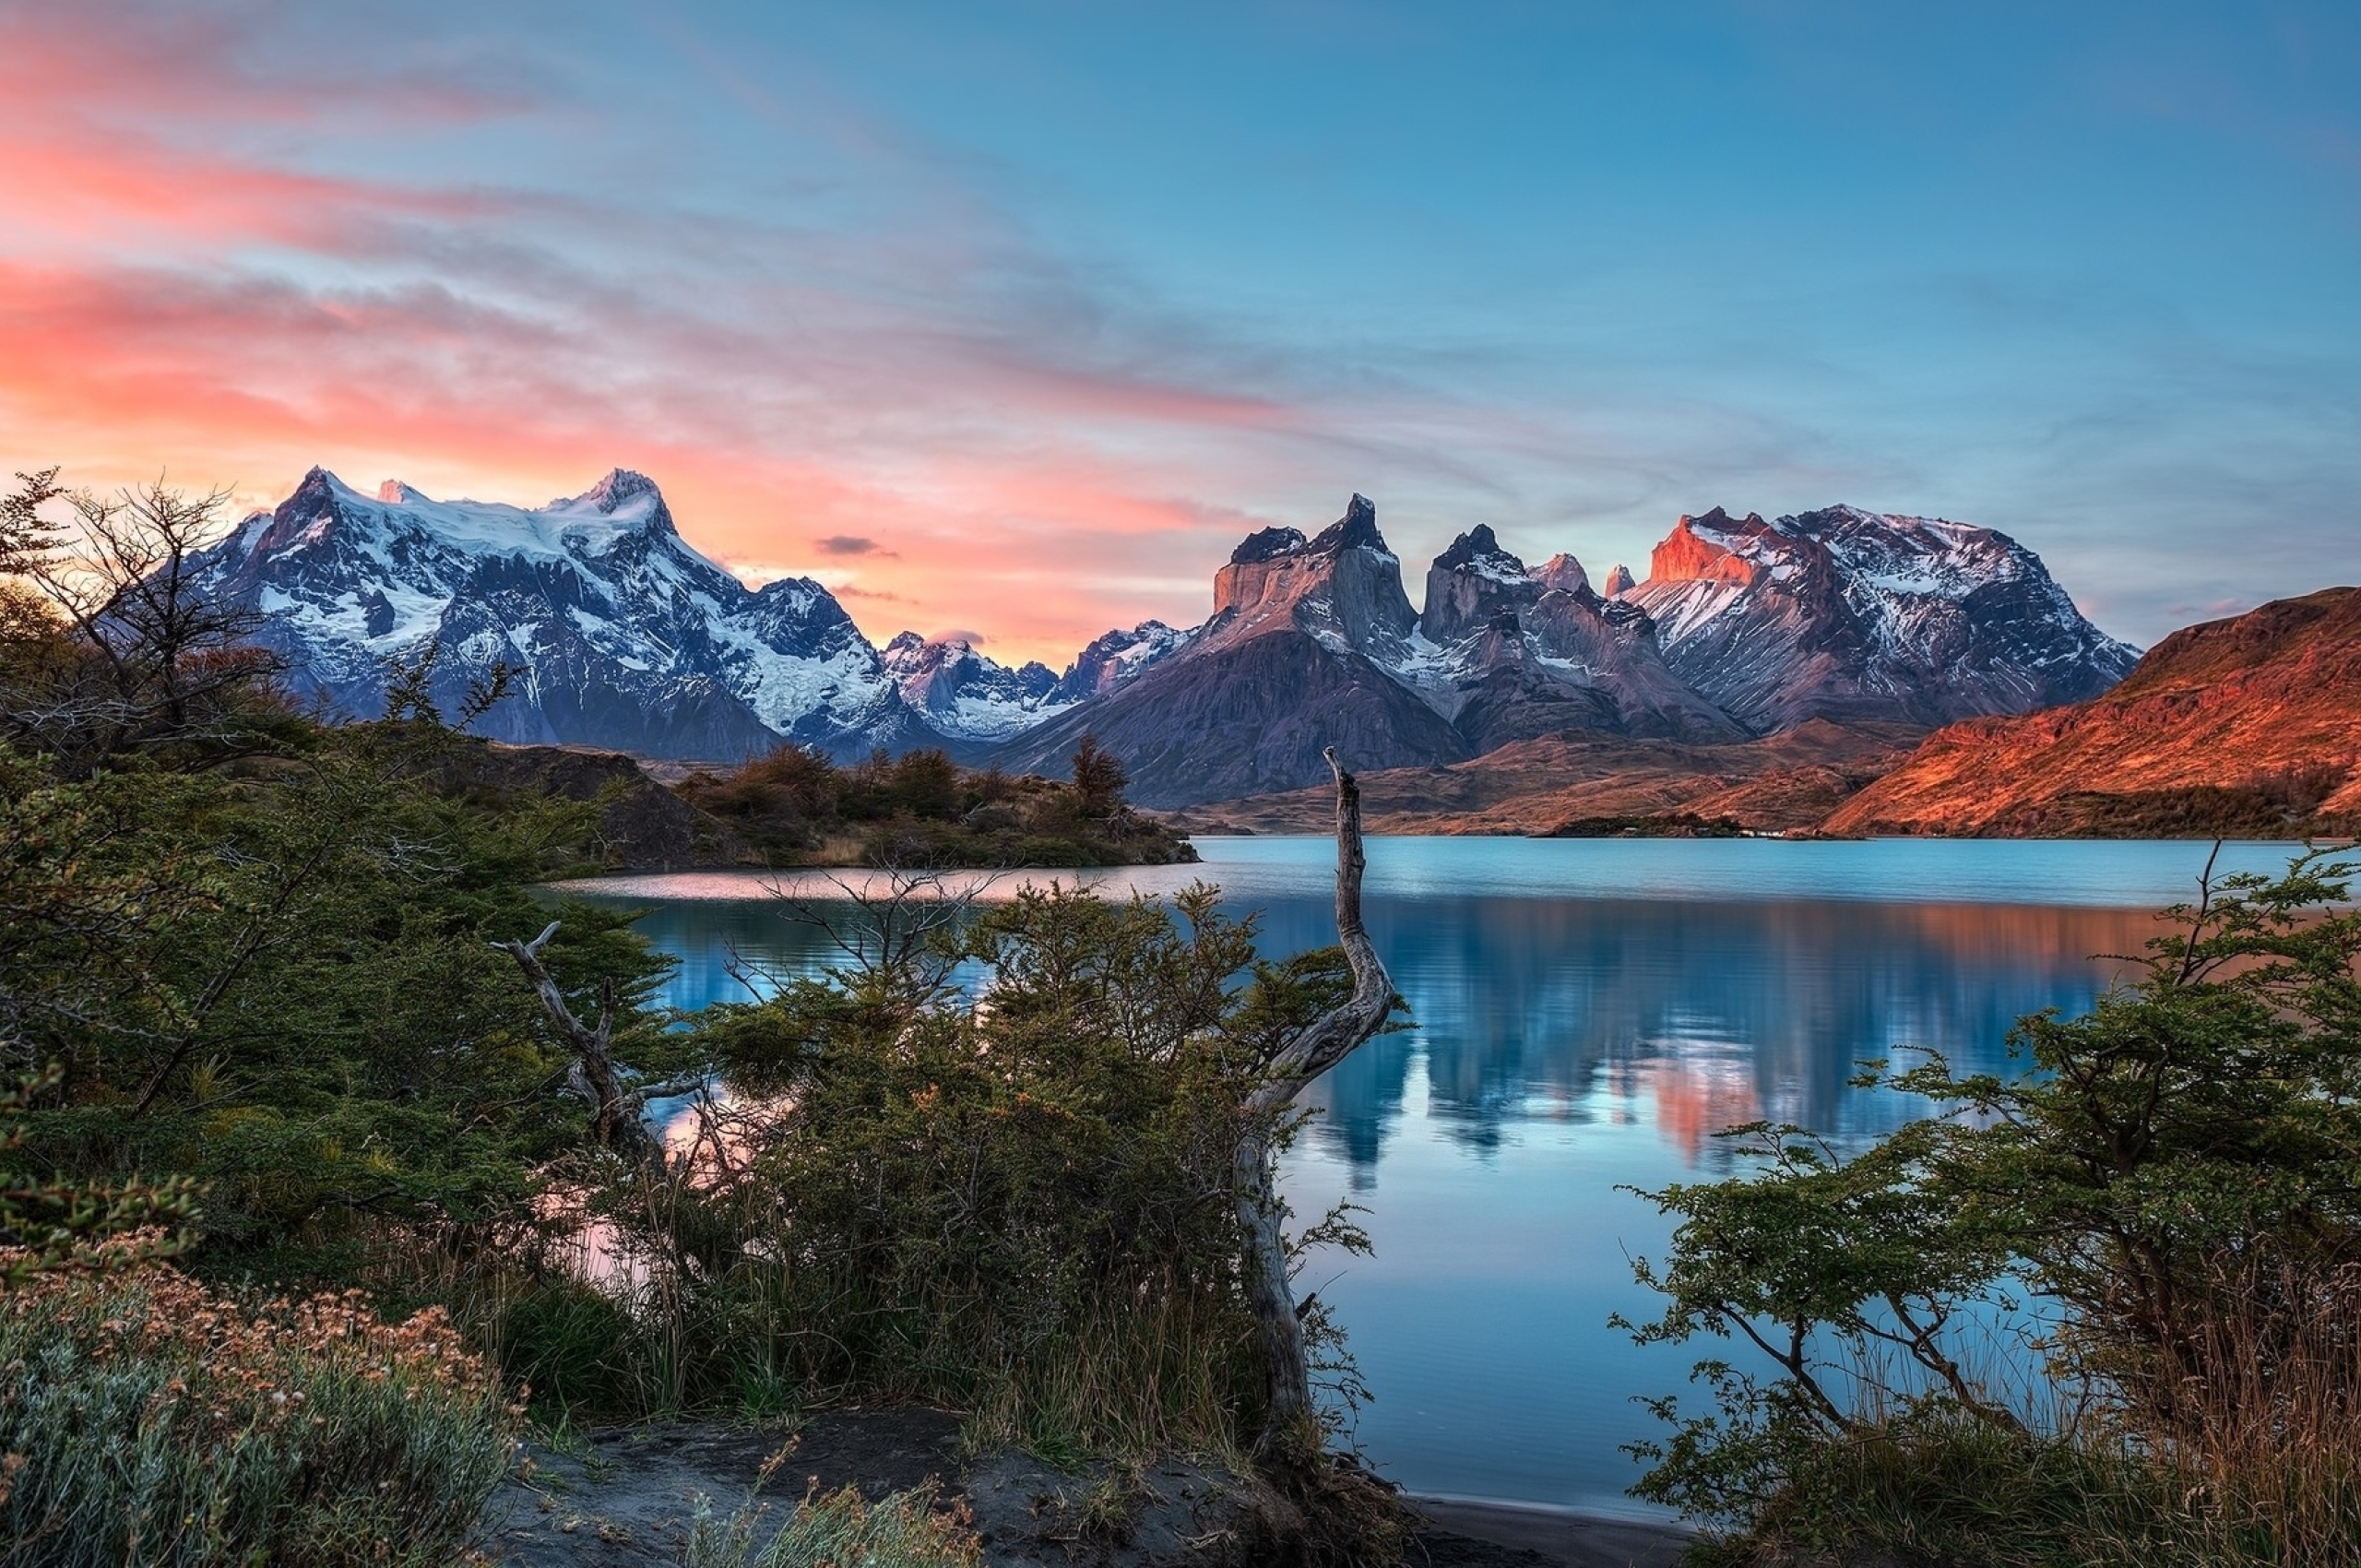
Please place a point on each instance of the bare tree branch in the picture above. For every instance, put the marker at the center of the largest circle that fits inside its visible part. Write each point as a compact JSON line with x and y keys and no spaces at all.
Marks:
{"x":1314,"y":1049}
{"x":615,"y":1113}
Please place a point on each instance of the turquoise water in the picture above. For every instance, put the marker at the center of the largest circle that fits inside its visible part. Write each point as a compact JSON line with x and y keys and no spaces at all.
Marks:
{"x":1587,"y":1012}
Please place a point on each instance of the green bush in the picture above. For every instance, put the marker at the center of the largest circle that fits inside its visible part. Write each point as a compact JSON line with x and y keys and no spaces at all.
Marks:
{"x":150,"y":1420}
{"x":1020,"y":1206}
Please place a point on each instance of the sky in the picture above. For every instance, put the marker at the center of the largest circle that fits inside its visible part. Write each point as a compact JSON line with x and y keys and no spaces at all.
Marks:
{"x":1009,"y":320}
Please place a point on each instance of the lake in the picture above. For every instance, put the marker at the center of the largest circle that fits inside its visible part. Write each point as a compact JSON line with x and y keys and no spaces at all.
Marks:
{"x":1588,"y":1012}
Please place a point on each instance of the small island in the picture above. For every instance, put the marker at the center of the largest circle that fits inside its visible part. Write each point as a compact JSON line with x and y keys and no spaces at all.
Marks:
{"x":796,"y":807}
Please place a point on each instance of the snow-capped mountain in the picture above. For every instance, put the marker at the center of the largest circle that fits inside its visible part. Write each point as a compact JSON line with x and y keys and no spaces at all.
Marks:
{"x":966,"y":696}
{"x":1742,"y":629}
{"x":1302,"y":652}
{"x":627,"y":638}
{"x":1507,"y":653}
{"x":1842,"y":613}
{"x":1117,"y":658}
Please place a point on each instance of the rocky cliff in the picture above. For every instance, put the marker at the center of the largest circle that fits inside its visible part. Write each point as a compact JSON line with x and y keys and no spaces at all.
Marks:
{"x":1745,"y":628}
{"x":1297,"y":656}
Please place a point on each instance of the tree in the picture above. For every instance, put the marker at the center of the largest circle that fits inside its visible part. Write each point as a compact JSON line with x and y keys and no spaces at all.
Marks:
{"x":987,"y":1190}
{"x":1098,"y":779}
{"x":27,"y":537}
{"x":48,"y":1225}
{"x":1301,"y":1057}
{"x":926,"y":784}
{"x":157,"y":661}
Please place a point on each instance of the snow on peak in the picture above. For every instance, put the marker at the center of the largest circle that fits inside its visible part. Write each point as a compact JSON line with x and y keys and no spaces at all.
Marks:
{"x":619,"y":489}
{"x":627,"y":634}
{"x":1478,"y":550}
{"x":966,"y":694}
{"x":1118,"y":657}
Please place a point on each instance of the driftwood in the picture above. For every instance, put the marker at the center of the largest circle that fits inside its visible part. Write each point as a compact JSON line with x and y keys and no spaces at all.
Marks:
{"x":1314,"y":1049}
{"x":615,"y":1120}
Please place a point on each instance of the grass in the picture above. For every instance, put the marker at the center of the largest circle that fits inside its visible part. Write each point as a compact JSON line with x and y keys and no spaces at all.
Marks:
{"x":839,"y":1529}
{"x":147,"y":1419}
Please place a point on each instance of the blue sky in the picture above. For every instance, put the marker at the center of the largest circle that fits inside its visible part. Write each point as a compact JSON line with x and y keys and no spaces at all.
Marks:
{"x":1011,"y":318}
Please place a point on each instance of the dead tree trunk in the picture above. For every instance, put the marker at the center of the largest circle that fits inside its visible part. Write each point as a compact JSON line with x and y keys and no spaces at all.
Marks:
{"x":1314,"y":1049}
{"x":614,"y":1112}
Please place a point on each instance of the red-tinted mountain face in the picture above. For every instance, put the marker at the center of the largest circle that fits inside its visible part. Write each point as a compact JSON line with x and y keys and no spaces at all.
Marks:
{"x":2249,"y":725}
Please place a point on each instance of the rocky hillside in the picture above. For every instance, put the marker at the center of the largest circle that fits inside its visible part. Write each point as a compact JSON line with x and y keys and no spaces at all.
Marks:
{"x":2250,"y":725}
{"x":1299,"y":654}
{"x":1782,"y":783}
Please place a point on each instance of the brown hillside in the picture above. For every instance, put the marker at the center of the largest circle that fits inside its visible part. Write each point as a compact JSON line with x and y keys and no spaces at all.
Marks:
{"x":2245,"y":726}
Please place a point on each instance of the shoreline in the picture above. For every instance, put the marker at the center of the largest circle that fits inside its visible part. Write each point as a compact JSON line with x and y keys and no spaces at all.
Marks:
{"x":1573,"y":1538}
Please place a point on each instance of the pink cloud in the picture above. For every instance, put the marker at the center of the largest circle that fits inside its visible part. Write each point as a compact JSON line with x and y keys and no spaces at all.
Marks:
{"x":179,"y":290}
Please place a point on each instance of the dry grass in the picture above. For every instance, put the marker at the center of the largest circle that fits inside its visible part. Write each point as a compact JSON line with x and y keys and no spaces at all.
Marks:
{"x":2265,"y":1447}
{"x":147,"y":1419}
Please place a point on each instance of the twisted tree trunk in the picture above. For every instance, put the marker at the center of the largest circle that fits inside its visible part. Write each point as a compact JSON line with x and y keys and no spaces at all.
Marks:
{"x":1319,"y":1046}
{"x":615,"y":1111}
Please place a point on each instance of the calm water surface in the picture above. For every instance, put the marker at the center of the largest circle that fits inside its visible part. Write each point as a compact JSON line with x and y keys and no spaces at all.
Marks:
{"x":1588,"y":1012}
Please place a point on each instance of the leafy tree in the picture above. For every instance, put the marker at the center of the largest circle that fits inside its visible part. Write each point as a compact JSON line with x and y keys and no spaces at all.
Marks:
{"x":926,"y":784}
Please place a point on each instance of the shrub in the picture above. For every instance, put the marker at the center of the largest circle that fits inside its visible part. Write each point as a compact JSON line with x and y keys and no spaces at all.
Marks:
{"x":150,"y":1420}
{"x":1020,"y":1205}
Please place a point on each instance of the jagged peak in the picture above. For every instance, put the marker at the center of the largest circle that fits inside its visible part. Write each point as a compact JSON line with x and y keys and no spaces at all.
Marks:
{"x":1266,"y":544}
{"x":317,"y":481}
{"x":620,"y":487}
{"x":1357,"y":529}
{"x":1562,"y":573}
{"x":1719,"y":521}
{"x":1481,"y":548}
{"x":394,"y":492}
{"x":1619,"y":580}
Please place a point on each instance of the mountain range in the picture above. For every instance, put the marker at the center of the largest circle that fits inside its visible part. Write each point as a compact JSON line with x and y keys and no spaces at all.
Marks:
{"x":629,"y":638}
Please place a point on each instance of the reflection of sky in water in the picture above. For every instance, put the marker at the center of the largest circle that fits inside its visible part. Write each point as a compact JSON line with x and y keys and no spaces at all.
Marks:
{"x":1587,"y":1015}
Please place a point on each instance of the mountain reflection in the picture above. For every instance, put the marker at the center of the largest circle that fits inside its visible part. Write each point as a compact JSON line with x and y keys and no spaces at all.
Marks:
{"x":1696,"y":1015}
{"x":1692,"y":1016}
